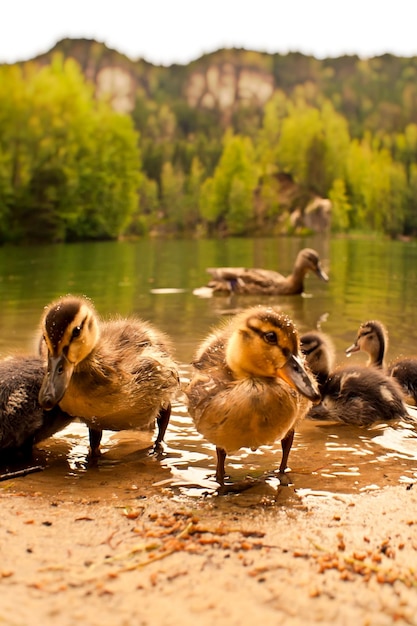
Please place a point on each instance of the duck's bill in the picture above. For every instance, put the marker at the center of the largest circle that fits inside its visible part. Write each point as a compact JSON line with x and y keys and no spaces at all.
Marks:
{"x":55,"y":382}
{"x":353,"y":348}
{"x":322,"y":274}
{"x":296,"y":376}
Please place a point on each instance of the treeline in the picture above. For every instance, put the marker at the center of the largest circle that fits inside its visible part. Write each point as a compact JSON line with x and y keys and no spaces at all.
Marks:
{"x":71,"y":168}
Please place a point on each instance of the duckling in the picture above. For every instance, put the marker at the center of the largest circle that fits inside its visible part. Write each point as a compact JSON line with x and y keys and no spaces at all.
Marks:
{"x":249,"y":386}
{"x":353,"y":395}
{"x":320,"y":355}
{"x":115,"y":375}
{"x":23,"y":422}
{"x":241,"y":280}
{"x":372,"y":338}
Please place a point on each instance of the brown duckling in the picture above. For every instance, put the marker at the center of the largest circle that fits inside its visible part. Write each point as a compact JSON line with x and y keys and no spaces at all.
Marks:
{"x":115,"y":375}
{"x":355,"y":395}
{"x":249,"y":386}
{"x":23,"y":422}
{"x":372,"y":338}
{"x":241,"y":280}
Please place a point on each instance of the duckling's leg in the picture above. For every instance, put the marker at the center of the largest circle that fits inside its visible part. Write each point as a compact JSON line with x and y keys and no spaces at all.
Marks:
{"x":220,"y":471}
{"x":237,"y":487}
{"x":162,"y":421}
{"x":286,"y":445}
{"x":95,"y":438}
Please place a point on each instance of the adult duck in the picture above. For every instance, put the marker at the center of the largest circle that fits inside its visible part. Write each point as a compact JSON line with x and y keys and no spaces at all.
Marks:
{"x":115,"y":375}
{"x":249,"y":386}
{"x":372,"y":338}
{"x":241,"y":280}
{"x":356,"y":395}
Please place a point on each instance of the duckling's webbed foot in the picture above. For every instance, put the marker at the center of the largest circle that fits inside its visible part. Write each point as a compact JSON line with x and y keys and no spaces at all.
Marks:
{"x":95,"y":439}
{"x":236,"y":487}
{"x":162,"y":421}
{"x":239,"y":486}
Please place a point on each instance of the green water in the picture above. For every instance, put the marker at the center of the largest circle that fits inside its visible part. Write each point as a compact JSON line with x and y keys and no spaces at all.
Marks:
{"x":368,"y":279}
{"x":155,"y":279}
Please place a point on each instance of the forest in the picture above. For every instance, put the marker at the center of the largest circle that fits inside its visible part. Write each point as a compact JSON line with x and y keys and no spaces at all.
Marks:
{"x":75,"y":167}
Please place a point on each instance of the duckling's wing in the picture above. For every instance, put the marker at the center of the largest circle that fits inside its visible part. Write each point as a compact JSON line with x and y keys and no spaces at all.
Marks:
{"x":363,"y":396}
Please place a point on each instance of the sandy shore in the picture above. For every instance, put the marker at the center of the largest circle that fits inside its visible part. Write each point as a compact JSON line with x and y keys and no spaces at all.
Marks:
{"x":233,"y":560}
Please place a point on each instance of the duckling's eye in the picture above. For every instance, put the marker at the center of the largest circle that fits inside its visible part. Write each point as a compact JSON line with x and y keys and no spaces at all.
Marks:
{"x":271,"y":337}
{"x":76,"y":332}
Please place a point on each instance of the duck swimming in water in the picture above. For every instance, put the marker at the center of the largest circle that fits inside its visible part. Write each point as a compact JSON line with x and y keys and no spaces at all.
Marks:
{"x":115,"y":375}
{"x":372,"y":338}
{"x":23,"y":422}
{"x":355,"y":395}
{"x":249,"y":386}
{"x":241,"y":280}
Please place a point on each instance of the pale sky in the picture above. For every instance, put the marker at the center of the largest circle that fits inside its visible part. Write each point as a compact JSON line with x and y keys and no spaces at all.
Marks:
{"x":179,"y":31}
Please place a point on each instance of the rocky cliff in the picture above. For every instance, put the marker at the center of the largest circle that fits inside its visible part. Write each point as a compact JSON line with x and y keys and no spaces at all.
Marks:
{"x":222,"y":80}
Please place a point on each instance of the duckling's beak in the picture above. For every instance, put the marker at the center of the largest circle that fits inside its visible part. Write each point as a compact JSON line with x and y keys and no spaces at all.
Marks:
{"x":55,"y":382}
{"x":353,"y":348}
{"x":322,"y":274}
{"x":296,"y":376}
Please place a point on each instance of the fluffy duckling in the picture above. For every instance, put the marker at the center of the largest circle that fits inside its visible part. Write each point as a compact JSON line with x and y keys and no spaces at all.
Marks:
{"x":249,"y":386}
{"x":115,"y":375}
{"x":372,"y":338}
{"x":320,"y":355}
{"x":353,"y":395}
{"x":23,"y":422}
{"x":241,"y":280}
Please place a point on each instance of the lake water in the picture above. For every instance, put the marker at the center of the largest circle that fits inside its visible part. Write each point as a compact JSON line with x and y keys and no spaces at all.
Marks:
{"x":154,"y":279}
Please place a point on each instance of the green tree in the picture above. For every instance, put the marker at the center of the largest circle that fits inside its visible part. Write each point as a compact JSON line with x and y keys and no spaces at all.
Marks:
{"x":377,"y":187}
{"x":340,"y":220}
{"x":227,"y":197}
{"x":172,"y":196}
{"x":192,"y":193}
{"x":312,"y":144}
{"x":69,"y":165}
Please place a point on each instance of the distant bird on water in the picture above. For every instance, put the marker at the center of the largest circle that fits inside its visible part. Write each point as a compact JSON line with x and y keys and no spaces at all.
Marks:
{"x":115,"y":375}
{"x":249,"y":386}
{"x":241,"y":280}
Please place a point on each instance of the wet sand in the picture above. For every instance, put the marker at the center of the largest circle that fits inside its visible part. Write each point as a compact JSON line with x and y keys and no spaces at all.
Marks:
{"x":157,"y":561}
{"x":122,"y":546}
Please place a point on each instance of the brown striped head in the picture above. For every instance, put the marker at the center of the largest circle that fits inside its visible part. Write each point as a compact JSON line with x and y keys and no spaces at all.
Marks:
{"x":70,"y":332}
{"x":264,"y":342}
{"x":372,"y":338}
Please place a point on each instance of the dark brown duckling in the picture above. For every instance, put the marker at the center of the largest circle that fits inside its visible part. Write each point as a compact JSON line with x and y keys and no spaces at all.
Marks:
{"x":115,"y":375}
{"x":356,"y":395}
{"x":249,"y":386}
{"x":23,"y":422}
{"x":241,"y":280}
{"x":320,"y":355}
{"x":372,"y":338}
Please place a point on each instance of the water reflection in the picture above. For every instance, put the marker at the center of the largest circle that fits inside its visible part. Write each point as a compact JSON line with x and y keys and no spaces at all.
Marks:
{"x":325,"y":459}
